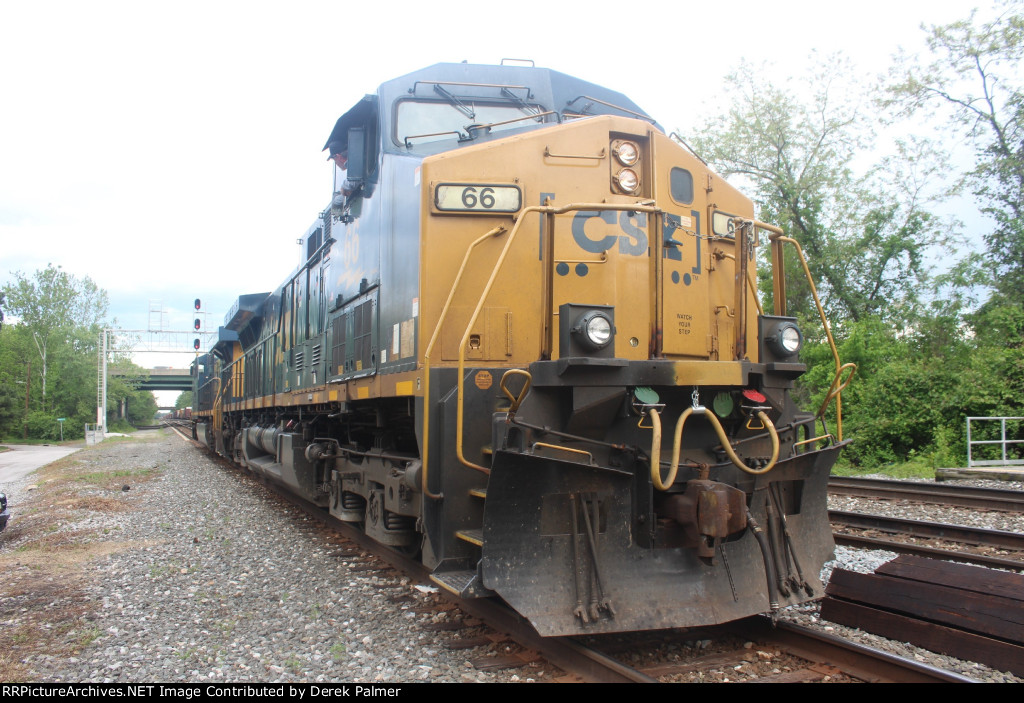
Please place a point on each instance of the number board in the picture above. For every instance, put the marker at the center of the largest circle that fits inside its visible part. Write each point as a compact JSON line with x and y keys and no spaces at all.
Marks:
{"x":478,"y":198}
{"x":722,"y":224}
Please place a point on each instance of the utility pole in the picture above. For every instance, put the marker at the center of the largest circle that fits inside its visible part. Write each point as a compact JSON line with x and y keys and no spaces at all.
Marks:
{"x":102,"y":419}
{"x":28,"y":384}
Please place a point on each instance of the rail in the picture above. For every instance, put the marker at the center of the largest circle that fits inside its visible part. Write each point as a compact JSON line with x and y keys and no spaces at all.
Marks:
{"x":1002,"y":442}
{"x":777,"y":238}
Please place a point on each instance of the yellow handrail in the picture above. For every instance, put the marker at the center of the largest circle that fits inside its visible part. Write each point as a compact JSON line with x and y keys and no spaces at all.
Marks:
{"x":500,"y":229}
{"x":545,"y":209}
{"x":835,"y":391}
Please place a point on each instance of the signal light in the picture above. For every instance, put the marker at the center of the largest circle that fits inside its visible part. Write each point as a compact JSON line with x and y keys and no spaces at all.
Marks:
{"x":195,"y":344}
{"x":198,"y":304}
{"x":198,"y":324}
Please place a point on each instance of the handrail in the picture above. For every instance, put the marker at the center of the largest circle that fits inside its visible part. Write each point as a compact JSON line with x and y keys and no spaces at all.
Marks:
{"x":835,"y":389}
{"x":500,"y":229}
{"x":750,"y":281}
{"x":543,"y":209}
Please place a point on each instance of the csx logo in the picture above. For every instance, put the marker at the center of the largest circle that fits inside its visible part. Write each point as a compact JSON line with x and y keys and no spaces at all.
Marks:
{"x":627,"y":232}
{"x":630,"y":236}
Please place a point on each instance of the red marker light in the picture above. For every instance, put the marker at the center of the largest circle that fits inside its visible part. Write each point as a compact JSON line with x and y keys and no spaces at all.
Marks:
{"x":753,"y":396}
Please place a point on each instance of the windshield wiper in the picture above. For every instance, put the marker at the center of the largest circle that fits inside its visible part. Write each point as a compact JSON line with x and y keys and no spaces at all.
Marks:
{"x":520,"y":103}
{"x":455,"y":102}
{"x":462,"y":137}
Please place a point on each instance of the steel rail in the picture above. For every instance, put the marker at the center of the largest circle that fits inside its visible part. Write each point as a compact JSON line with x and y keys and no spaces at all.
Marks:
{"x":861,"y":542}
{"x":857,"y":660}
{"x":932,"y":530}
{"x":966,"y":497}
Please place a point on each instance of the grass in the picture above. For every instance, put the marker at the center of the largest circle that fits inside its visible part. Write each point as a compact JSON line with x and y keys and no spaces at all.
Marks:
{"x":99,"y":477}
{"x":918,"y":468}
{"x":88,"y":636}
{"x":52,"y":442}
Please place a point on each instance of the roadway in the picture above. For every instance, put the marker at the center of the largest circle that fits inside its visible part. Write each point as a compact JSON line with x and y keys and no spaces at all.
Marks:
{"x":23,"y":459}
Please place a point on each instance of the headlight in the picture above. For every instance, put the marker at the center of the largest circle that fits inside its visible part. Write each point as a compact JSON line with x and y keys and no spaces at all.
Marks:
{"x":791,"y":339}
{"x":627,"y":153}
{"x":599,"y":330}
{"x":786,"y":341}
{"x":627,"y":180}
{"x":586,"y":331}
{"x":594,"y":330}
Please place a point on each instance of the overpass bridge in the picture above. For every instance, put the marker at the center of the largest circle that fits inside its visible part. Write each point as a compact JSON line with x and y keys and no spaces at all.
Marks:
{"x":163,"y":379}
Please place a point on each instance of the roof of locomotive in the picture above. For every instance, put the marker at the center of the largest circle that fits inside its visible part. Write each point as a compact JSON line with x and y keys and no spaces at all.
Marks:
{"x":552,"y":90}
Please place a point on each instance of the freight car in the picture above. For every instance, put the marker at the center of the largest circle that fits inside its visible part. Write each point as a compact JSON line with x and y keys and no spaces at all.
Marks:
{"x":524,"y":342}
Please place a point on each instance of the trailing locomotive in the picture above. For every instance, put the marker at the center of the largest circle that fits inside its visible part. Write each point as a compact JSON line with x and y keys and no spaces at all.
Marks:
{"x":524,"y":342}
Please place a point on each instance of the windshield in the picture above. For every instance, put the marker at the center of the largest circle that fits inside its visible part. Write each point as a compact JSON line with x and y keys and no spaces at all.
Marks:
{"x":429,"y":121}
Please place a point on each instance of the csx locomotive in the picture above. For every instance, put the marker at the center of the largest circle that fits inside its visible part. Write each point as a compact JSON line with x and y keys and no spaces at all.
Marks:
{"x":524,"y":342}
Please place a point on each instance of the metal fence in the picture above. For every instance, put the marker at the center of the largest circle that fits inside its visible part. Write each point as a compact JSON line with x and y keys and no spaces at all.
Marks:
{"x":1006,"y":458}
{"x":93,"y":434}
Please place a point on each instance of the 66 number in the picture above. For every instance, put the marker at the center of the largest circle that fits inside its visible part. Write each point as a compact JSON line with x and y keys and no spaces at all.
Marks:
{"x":485,"y":199}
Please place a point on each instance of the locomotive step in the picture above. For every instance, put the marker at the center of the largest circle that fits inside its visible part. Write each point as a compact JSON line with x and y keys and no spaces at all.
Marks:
{"x":465,"y":584}
{"x":472,"y":536}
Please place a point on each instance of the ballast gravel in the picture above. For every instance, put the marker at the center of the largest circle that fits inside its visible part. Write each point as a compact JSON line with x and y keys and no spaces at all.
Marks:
{"x":228,"y":583}
{"x":215,"y":580}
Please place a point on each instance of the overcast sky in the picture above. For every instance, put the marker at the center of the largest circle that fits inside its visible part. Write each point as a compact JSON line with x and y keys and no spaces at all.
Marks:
{"x":172,"y":150}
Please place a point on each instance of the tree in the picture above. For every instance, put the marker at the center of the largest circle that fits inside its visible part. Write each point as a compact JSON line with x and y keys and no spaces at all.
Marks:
{"x":184,"y":400}
{"x":14,"y":380}
{"x":52,"y":306}
{"x":973,"y":78}
{"x":865,"y":235}
{"x":867,"y":231}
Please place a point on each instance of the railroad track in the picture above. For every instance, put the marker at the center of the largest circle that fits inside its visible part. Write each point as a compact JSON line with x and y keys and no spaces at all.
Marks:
{"x":909,"y":530}
{"x":985,"y":547}
{"x":587,"y":661}
{"x":961,"y":496}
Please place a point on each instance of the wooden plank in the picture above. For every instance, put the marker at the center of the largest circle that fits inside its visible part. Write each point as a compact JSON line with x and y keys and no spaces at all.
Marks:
{"x":988,"y":615}
{"x":505,"y":661}
{"x":977,"y":579}
{"x":812,"y":674}
{"x":999,"y":655}
{"x":445,"y":626}
{"x":470,"y":642}
{"x":1003,"y":473}
{"x":723,"y":660}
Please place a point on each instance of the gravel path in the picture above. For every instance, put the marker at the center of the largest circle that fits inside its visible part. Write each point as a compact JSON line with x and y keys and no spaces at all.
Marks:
{"x":218,"y":588}
{"x":214,"y":580}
